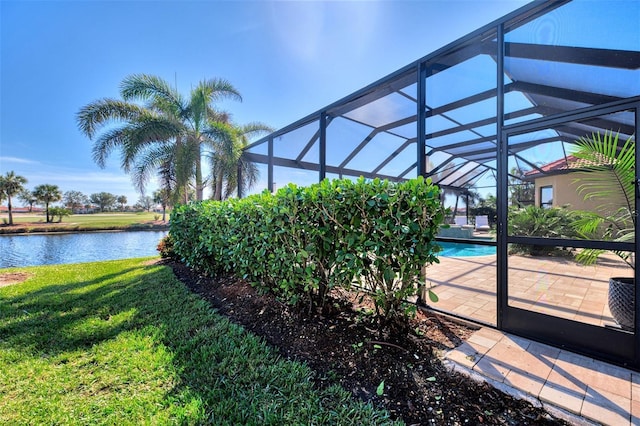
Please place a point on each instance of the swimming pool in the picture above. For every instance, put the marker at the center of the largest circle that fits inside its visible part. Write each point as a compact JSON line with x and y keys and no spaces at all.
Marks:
{"x":465,"y":250}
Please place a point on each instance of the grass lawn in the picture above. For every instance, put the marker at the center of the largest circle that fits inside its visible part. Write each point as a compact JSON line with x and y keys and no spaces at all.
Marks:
{"x":124,"y":342}
{"x":94,"y":221}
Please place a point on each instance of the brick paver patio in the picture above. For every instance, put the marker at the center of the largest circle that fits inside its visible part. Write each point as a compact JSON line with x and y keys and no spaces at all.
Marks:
{"x":556,"y":286}
{"x":577,"y":388}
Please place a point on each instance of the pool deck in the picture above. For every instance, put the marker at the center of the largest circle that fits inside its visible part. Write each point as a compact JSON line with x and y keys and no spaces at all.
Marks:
{"x":466,"y":286}
{"x":576,"y":388}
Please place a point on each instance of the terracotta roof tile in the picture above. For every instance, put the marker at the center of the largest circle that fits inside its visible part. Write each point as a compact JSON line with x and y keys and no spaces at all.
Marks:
{"x":571,"y":162}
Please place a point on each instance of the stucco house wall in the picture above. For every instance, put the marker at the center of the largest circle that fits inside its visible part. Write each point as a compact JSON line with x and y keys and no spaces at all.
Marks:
{"x":565,"y":191}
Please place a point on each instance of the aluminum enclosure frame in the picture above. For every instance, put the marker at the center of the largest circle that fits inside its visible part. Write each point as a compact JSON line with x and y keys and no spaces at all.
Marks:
{"x":479,"y":154}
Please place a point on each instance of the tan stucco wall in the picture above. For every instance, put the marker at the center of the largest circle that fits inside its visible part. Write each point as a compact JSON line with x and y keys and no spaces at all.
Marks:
{"x":565,"y":191}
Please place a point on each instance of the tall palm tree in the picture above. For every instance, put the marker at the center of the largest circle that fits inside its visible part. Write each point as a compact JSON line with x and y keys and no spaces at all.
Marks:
{"x":166,"y":126}
{"x":227,"y":163}
{"x":10,"y":185}
{"x":162,"y":197}
{"x":47,"y":194}
{"x":28,"y":198}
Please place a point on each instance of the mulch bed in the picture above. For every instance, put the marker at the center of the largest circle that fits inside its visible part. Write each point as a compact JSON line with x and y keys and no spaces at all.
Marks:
{"x":346,"y":347}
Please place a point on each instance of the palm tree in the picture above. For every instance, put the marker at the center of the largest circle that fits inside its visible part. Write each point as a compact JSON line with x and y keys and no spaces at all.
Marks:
{"x":122,"y":200}
{"x":167,"y":128}
{"x":161,"y":196}
{"x":522,"y":192}
{"x":227,"y":162}
{"x":10,"y":185}
{"x":28,"y":198}
{"x":47,"y":194}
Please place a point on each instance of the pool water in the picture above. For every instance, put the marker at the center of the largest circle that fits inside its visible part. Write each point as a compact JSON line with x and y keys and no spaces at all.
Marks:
{"x":465,"y":250}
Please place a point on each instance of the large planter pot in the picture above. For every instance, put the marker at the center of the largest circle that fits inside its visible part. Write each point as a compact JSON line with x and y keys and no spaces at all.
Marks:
{"x":622,"y":301}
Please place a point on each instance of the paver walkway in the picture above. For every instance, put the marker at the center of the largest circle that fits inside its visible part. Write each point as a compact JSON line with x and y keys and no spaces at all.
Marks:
{"x":571,"y":386}
{"x":574,"y":387}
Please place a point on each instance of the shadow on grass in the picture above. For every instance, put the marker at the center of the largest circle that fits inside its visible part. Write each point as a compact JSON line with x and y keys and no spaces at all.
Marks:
{"x":219,"y":373}
{"x":44,"y":317}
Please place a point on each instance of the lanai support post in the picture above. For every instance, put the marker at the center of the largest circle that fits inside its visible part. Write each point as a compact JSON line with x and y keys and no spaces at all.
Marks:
{"x":421,"y":165}
{"x":270,"y":165}
{"x":637,"y":241}
{"x":323,"y":147}
{"x":502,"y":163}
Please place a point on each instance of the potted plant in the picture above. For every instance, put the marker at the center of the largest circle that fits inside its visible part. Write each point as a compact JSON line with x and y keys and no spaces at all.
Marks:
{"x":610,"y":177}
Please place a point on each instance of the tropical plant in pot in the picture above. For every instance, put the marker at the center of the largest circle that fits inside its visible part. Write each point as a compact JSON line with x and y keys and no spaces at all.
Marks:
{"x":609,"y":164}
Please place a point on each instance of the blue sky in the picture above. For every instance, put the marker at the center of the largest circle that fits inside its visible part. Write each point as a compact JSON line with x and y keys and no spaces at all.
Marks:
{"x":288,"y":59}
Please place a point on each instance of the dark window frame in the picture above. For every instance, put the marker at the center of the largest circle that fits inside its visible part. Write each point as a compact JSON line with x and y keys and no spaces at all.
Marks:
{"x":548,"y":204}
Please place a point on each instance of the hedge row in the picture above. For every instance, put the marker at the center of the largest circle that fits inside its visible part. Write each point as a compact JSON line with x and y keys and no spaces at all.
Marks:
{"x":303,"y":241}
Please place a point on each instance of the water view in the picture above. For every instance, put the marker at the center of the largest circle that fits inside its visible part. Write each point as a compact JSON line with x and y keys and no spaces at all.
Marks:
{"x":32,"y":250}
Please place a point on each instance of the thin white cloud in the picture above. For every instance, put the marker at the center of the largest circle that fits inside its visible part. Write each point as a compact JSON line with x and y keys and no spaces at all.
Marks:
{"x":17,"y":160}
{"x":85,"y":178}
{"x":308,"y":30}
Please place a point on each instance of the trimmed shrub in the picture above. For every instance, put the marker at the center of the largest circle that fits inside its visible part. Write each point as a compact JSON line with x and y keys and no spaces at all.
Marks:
{"x":303,"y":241}
{"x":165,"y":247}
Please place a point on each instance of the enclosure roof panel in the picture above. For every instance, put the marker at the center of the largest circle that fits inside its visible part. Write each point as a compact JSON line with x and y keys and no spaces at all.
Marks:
{"x":541,"y":77}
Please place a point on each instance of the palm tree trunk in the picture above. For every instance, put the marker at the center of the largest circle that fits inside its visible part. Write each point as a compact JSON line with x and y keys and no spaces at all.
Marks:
{"x":240,"y":184}
{"x":10,"y":212}
{"x":199,"y":186}
{"x":218,"y":193}
{"x":455,"y":209}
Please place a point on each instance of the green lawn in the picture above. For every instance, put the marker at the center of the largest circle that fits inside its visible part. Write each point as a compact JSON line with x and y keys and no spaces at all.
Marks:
{"x":123,"y":342}
{"x":98,"y":219}
{"x":32,"y":222}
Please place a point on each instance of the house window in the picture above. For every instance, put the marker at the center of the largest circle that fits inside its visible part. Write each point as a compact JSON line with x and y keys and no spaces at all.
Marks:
{"x":546,"y":197}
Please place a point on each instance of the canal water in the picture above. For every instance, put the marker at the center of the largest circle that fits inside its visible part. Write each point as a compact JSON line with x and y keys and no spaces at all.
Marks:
{"x":50,"y":249}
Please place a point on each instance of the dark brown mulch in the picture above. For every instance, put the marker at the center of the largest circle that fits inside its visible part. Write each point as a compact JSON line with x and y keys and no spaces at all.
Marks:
{"x":345,"y":347}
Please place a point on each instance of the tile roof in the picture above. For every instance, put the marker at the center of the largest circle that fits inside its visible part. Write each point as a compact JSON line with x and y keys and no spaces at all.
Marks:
{"x":571,"y":162}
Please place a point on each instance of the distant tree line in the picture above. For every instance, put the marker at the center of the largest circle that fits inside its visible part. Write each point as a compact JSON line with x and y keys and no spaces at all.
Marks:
{"x":187,"y":142}
{"x":12,"y":186}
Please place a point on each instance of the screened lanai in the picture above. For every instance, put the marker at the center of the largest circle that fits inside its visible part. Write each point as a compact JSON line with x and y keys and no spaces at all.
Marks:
{"x":486,"y":117}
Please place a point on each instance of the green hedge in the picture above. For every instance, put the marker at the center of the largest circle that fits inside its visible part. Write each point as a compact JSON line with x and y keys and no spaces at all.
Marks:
{"x":303,"y":241}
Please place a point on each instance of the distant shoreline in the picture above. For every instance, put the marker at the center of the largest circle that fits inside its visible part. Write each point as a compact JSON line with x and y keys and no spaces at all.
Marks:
{"x":62,"y":228}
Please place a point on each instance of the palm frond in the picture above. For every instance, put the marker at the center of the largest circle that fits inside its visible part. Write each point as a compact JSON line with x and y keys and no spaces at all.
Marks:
{"x":609,"y":171}
{"x":255,"y":129}
{"x":223,"y":138}
{"x":614,"y":168}
{"x":185,"y":159}
{"x":96,"y":114}
{"x":214,"y":115}
{"x":148,"y":130}
{"x":149,"y":87}
{"x":152,"y":161}
{"x":107,"y":142}
{"x":216,"y":89}
{"x":250,"y":175}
